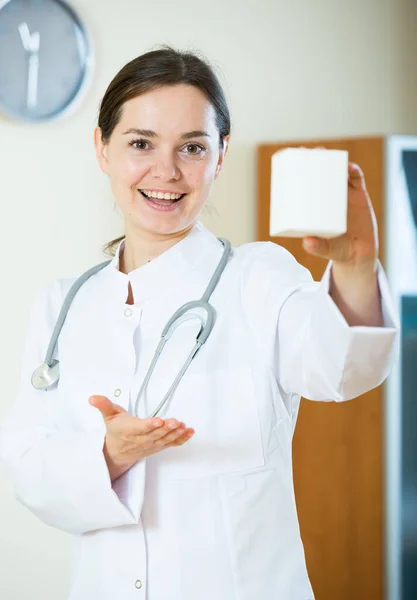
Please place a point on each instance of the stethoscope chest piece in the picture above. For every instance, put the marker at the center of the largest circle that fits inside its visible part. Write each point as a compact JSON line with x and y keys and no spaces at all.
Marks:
{"x":45,"y":376}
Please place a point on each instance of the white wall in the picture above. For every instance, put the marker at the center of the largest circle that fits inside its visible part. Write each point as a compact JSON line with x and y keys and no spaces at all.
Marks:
{"x":291,"y":69}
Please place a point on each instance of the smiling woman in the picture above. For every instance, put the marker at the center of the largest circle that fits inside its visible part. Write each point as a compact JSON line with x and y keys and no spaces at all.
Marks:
{"x":162,"y":135}
{"x":197,"y":503}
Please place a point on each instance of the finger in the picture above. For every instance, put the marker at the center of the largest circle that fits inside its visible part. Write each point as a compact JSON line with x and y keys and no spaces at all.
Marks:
{"x":316,"y":245}
{"x":356,"y":177}
{"x":171,"y":437}
{"x":187,"y":435}
{"x":315,"y":148}
{"x":146,"y":426}
{"x":355,"y":170}
{"x":107,"y":408}
{"x":170,"y":425}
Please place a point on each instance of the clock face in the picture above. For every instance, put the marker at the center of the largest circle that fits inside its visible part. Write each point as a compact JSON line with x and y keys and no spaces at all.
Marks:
{"x":44,"y":58}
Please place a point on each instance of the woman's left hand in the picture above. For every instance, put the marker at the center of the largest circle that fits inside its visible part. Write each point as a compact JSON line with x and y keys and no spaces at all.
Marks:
{"x":358,"y":247}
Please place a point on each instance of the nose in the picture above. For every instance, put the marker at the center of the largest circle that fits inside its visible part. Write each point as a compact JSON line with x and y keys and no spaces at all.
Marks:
{"x":164,"y":167}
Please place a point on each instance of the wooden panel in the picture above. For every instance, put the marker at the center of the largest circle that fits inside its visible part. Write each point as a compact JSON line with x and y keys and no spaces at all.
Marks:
{"x":338,"y":456}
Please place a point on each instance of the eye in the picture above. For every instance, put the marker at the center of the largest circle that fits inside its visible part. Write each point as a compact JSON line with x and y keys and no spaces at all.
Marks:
{"x":199,"y":149}
{"x":134,"y":142}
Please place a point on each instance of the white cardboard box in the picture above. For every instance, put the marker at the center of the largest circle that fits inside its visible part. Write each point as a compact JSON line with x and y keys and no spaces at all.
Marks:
{"x":309,"y":192}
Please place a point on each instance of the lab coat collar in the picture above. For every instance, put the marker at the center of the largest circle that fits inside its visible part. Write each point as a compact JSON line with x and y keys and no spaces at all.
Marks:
{"x":164,"y":271}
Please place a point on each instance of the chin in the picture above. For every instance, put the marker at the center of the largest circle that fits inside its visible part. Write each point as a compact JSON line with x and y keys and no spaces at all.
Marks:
{"x":166,"y":225}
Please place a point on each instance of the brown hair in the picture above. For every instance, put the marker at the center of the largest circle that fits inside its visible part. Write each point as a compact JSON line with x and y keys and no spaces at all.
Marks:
{"x":153,"y":70}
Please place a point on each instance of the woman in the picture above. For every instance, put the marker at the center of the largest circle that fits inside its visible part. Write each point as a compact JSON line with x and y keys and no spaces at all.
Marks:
{"x":197,"y":502}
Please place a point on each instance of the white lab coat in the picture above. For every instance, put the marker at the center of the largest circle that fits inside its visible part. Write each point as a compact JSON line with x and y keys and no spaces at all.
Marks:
{"x":215,"y":518}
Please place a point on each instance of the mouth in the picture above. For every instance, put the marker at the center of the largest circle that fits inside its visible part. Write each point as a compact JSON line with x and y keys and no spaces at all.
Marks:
{"x":162,"y":204}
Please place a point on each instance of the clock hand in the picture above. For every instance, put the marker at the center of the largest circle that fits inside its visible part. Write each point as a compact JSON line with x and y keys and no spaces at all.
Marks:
{"x":32,"y":89}
{"x":30,"y":44}
{"x":24,"y":36}
{"x":34,"y":42}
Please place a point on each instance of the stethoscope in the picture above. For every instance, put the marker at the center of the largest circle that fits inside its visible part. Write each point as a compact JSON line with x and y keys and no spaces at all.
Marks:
{"x":48,"y":372}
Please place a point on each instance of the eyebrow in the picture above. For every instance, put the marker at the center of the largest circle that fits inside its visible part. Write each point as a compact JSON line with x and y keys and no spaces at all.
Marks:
{"x":151,"y":134}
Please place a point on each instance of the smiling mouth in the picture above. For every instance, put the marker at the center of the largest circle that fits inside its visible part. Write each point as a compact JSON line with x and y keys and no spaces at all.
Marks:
{"x":162,"y":200}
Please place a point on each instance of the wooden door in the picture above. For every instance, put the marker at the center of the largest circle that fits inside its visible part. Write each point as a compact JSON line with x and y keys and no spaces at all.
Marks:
{"x":338,"y":448}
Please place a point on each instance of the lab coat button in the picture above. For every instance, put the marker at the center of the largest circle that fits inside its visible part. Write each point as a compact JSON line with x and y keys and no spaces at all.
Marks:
{"x":117,"y":393}
{"x":128,"y":312}
{"x":138,"y":584}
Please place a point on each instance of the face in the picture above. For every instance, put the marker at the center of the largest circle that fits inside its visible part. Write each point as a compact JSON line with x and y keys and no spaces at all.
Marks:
{"x":166,"y":142}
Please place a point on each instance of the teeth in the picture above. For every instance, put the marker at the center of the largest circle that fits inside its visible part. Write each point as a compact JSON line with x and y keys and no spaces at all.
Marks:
{"x":161,"y":195}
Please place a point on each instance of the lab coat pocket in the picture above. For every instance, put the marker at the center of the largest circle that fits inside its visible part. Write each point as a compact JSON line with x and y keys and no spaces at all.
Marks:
{"x":221,"y":407}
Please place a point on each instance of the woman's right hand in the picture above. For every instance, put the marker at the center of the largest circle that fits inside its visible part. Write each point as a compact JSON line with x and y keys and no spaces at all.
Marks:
{"x":128,"y":438}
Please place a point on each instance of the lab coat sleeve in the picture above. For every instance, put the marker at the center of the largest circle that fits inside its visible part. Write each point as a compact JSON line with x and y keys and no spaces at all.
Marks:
{"x":61,"y":477}
{"x":305,"y":338}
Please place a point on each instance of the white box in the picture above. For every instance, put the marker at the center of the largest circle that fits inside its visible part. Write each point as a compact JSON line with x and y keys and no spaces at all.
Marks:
{"x":309,"y":192}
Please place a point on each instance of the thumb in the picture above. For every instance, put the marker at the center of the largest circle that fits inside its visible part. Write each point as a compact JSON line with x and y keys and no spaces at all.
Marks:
{"x":107,"y":408}
{"x":316,"y":245}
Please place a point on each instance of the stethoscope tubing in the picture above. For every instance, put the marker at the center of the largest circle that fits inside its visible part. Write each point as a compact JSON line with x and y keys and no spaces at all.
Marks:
{"x":47,"y":373}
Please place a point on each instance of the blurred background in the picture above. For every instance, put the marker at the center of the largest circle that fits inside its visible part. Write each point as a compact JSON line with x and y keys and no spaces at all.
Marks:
{"x":342,"y":74}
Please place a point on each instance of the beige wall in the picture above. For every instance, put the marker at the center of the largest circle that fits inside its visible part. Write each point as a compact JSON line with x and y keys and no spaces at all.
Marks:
{"x":292,"y":69}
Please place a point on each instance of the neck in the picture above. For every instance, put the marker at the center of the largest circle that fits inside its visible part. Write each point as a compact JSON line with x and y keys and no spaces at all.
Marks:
{"x":141,"y":249}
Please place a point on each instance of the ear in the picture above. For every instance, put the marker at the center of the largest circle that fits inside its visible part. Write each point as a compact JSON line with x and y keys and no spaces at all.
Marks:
{"x":222,"y":154}
{"x":101,"y":151}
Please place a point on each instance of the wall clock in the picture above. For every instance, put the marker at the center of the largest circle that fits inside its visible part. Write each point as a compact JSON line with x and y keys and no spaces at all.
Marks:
{"x":45,"y":59}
